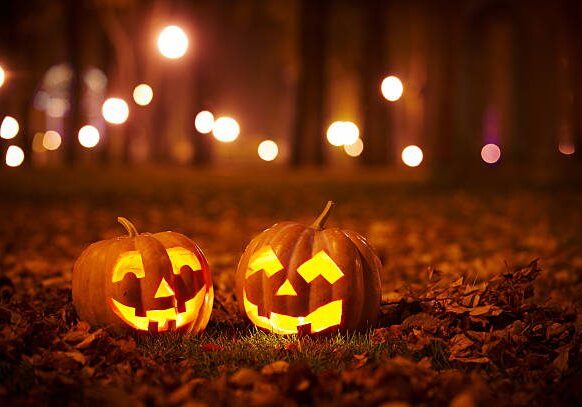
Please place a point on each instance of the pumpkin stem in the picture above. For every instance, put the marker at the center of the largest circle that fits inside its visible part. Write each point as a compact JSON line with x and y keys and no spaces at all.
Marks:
{"x":322,"y":218}
{"x":131,"y":230}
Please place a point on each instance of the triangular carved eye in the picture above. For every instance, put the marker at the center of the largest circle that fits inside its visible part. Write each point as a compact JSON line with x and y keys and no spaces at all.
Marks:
{"x":164,"y":290}
{"x":286,"y":289}
{"x":320,"y":264}
{"x":264,"y":259}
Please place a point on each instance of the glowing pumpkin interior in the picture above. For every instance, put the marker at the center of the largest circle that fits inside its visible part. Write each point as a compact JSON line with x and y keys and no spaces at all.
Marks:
{"x":326,"y":316}
{"x":178,"y":314}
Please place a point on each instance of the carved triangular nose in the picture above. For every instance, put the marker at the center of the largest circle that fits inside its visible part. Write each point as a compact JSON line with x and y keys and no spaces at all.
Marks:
{"x":286,"y":289}
{"x":164,"y":290}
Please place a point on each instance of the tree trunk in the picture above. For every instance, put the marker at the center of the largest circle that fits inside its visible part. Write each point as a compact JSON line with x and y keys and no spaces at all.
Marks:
{"x":309,"y":132}
{"x":74,"y":42}
{"x":375,"y":124}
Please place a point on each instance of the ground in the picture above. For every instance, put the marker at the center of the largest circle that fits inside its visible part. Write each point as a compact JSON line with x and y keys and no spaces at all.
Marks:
{"x":480,"y":285}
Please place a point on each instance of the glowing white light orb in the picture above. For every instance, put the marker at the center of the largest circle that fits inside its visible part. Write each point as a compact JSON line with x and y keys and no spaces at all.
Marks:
{"x":225,"y":129}
{"x":51,"y":140}
{"x":490,"y":153}
{"x":2,"y":76}
{"x":115,"y":110}
{"x":412,"y":156}
{"x":392,"y":88}
{"x":88,"y":136}
{"x":14,"y":156}
{"x":143,"y":94}
{"x":268,"y":150}
{"x":342,"y":133}
{"x":9,"y":127}
{"x":334,"y":134}
{"x":173,"y":42}
{"x":354,"y":149}
{"x":566,"y":148}
{"x":351,"y":133}
{"x":204,"y":122}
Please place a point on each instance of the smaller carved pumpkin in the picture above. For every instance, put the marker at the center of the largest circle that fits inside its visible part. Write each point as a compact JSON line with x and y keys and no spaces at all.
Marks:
{"x":148,"y":282}
{"x":302,"y":279}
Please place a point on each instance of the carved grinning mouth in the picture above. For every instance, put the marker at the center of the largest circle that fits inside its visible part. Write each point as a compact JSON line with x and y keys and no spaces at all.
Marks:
{"x":322,"y":318}
{"x":164,"y":318}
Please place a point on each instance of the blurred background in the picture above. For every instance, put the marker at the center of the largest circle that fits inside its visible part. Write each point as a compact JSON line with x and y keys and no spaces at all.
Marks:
{"x":441,"y":88}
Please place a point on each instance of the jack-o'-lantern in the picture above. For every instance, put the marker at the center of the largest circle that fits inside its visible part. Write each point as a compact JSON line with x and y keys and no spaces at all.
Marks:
{"x":297,"y":279}
{"x":148,"y":282}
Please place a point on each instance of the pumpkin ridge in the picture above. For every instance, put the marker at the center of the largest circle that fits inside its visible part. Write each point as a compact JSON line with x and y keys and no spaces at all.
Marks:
{"x":264,"y":238}
{"x":279,"y":238}
{"x":372,"y":283}
{"x":293,"y":263}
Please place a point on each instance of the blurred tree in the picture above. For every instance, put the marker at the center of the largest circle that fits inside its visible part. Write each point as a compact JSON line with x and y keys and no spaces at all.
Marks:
{"x":446,"y":143}
{"x":119,"y":20}
{"x":375,"y":124}
{"x":25,"y":30}
{"x":205,"y":18}
{"x":74,"y":38}
{"x":309,"y":132}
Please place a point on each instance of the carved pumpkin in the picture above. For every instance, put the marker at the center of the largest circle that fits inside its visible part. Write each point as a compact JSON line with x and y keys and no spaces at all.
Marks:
{"x":302,"y":279}
{"x":148,"y":282}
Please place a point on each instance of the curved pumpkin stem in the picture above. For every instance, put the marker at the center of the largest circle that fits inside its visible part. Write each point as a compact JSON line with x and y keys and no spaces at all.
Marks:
{"x":322,"y":218}
{"x":131,"y":230}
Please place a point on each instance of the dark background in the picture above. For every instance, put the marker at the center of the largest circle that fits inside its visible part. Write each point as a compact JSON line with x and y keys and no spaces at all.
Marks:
{"x":474,"y":72}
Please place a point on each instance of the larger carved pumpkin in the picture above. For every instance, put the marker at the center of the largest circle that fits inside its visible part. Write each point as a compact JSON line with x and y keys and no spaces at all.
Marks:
{"x":294,"y":279}
{"x":148,"y":282}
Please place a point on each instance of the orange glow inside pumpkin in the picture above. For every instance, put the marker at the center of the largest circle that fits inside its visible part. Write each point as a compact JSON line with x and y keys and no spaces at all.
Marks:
{"x":322,"y":318}
{"x":131,"y":262}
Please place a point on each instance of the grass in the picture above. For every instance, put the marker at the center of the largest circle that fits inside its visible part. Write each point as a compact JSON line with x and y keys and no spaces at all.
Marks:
{"x":253,"y":348}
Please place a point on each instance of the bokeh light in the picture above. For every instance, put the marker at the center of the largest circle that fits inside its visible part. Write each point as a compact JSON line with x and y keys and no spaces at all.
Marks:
{"x":268,"y":150}
{"x":143,"y":94}
{"x":566,"y":147}
{"x":2,"y":76}
{"x":95,"y":79}
{"x":115,"y":110}
{"x":490,"y":153}
{"x":204,"y":122}
{"x":225,"y":129}
{"x":342,"y":133}
{"x":88,"y":136}
{"x":392,"y":88}
{"x":9,"y":127}
{"x":173,"y":42}
{"x":56,"y":107}
{"x":51,"y":140}
{"x":354,"y":149}
{"x":412,"y":156}
{"x":14,"y":156}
